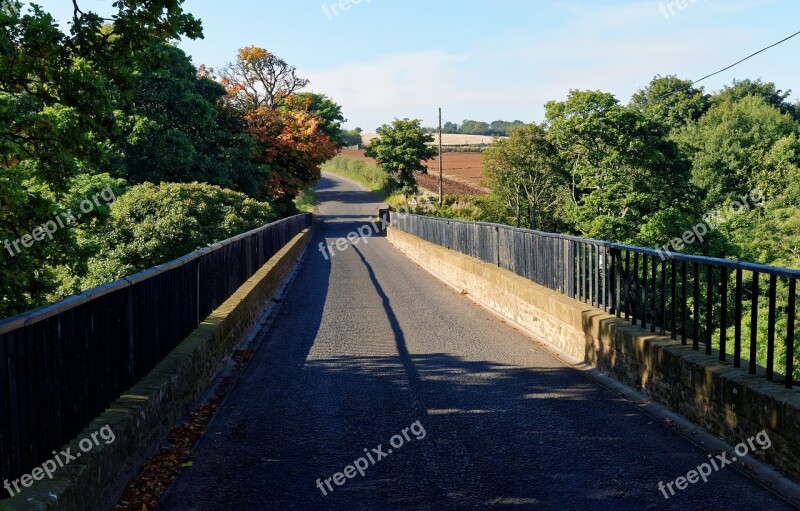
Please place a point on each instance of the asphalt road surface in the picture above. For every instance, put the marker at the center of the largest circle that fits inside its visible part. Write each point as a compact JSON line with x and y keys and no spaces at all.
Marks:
{"x":369,"y":349}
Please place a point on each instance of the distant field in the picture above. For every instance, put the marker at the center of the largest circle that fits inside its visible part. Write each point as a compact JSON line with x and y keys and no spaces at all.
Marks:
{"x":464,"y":167}
{"x":447,"y":140}
{"x":462,"y":172}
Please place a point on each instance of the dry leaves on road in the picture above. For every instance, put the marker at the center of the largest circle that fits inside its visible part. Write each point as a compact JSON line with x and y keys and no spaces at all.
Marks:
{"x":158,"y":472}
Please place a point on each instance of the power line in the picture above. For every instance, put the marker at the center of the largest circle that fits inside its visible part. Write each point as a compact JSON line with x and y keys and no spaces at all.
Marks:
{"x":692,"y":84}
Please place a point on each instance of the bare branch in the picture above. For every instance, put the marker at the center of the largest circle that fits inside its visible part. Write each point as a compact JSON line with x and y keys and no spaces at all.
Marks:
{"x":262,"y":79}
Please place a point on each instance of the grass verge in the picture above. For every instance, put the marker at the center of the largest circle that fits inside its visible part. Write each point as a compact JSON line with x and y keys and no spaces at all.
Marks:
{"x":364,"y":173}
{"x":305,"y":201}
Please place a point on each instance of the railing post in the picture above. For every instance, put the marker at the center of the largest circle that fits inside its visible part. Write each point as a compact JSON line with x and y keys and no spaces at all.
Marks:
{"x":737,"y":320}
{"x":772,"y":306}
{"x":790,"y":333}
{"x":384,"y":218}
{"x":615,"y":279}
{"x":197,"y":294}
{"x":723,"y":315}
{"x":497,"y":245}
{"x":754,"y":324}
{"x":684,"y":307}
{"x":131,"y":336}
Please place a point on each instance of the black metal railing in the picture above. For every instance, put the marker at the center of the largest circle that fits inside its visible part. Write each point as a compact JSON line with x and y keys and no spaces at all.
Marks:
{"x":63,"y":364}
{"x":737,"y":311}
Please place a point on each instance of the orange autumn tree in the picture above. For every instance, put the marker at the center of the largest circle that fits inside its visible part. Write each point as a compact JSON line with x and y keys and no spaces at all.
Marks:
{"x":292,"y":144}
{"x":262,"y":90}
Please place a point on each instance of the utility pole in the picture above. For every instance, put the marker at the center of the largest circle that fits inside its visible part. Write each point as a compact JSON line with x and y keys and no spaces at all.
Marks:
{"x":441,"y":184}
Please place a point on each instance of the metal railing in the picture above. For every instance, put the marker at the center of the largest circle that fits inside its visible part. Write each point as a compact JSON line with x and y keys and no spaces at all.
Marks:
{"x":732,"y":309}
{"x":64,"y":364}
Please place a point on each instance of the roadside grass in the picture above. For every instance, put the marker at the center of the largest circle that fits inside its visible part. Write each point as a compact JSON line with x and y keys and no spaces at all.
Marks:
{"x":364,"y":173}
{"x":305,"y":201}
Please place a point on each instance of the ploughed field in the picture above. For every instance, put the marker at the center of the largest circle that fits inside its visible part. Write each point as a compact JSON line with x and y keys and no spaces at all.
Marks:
{"x":448,"y":139}
{"x":462,"y":172}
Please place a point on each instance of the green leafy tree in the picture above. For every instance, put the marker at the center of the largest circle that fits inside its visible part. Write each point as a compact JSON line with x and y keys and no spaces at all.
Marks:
{"x":77,"y":245}
{"x":50,"y":267}
{"x":768,"y":230}
{"x":469,"y":127}
{"x":24,"y":278}
{"x":175,"y":133}
{"x":353,"y":137}
{"x":451,"y":128}
{"x":622,"y":168}
{"x":60,"y":97}
{"x":768,"y":91}
{"x":59,"y":92}
{"x":503,"y":128}
{"x":739,"y":146}
{"x":670,"y":100}
{"x":400,"y":150}
{"x":527,"y":175}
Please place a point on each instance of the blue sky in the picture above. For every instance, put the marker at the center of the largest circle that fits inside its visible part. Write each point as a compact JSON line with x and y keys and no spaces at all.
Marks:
{"x":488,"y":60}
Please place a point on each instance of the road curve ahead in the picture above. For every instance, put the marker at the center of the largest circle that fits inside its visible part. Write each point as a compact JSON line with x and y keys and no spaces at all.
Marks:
{"x":373,"y":366}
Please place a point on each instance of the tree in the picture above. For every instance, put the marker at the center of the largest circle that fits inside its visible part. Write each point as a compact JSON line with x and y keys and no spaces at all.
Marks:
{"x":740,"y":145}
{"x":128,"y":33}
{"x":174,"y":133}
{"x":503,"y":128}
{"x":496,"y":128}
{"x":48,"y":269}
{"x":672,"y":101}
{"x":292,"y":144}
{"x":525,"y":172}
{"x":469,"y":127}
{"x":326,"y":110}
{"x":60,"y":101}
{"x":259,"y":79}
{"x":768,"y":91}
{"x":623,"y":169}
{"x":290,"y":130}
{"x":450,"y":127}
{"x":58,"y":92}
{"x":774,"y":237}
{"x":400,"y":150}
{"x":24,"y":279}
{"x":353,"y":137}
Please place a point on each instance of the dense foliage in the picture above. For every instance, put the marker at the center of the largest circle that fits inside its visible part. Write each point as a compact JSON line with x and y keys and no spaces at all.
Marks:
{"x":113,"y":104}
{"x":527,"y":177}
{"x":150,"y":224}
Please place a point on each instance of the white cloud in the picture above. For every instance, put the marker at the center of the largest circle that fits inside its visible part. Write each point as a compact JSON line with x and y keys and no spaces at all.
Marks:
{"x":400,"y":85}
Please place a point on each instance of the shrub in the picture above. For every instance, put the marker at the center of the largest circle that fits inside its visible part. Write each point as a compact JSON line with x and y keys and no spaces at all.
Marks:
{"x":151,"y":225}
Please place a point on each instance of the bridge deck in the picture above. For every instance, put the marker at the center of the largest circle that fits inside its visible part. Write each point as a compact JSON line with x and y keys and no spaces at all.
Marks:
{"x":367,"y":344}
